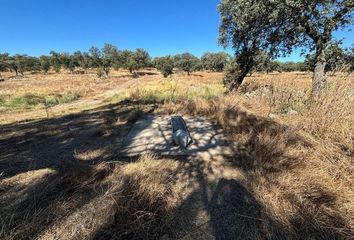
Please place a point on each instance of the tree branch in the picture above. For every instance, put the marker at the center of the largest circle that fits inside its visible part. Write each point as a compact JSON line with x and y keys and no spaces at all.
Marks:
{"x":332,"y":22}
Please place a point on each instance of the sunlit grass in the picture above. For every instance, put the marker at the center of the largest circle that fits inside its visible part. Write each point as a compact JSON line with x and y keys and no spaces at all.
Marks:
{"x":31,"y":101}
{"x":173,"y":90}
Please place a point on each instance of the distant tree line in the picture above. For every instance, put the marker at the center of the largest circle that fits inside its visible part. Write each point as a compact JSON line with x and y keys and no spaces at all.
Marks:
{"x":103,"y":60}
{"x":110,"y":57}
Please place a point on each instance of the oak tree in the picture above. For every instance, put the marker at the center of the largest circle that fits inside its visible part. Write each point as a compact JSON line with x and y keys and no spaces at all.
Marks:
{"x":277,"y":26}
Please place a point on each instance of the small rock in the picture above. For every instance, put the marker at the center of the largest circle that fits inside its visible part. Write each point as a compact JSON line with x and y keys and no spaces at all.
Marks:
{"x":249,"y":95}
{"x":272,"y":115}
{"x":292,"y":112}
{"x":165,"y":237}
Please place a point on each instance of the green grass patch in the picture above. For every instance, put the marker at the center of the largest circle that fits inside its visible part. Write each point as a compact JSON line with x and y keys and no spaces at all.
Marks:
{"x":30,"y":100}
{"x":68,"y":97}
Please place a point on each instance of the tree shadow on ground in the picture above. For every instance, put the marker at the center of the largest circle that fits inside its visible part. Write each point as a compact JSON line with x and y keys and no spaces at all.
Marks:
{"x":233,"y":205}
{"x":92,"y":136}
{"x":30,"y":209}
{"x":211,"y":205}
{"x":263,"y":144}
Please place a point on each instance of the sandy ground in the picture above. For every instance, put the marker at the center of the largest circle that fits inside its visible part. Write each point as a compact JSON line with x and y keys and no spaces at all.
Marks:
{"x":154,"y":134}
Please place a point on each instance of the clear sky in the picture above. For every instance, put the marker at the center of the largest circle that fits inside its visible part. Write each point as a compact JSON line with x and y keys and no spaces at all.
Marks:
{"x":162,"y":27}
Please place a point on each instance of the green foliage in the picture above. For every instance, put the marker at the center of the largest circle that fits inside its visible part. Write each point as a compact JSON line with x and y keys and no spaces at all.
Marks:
{"x":30,"y":100}
{"x":95,"y":57}
{"x":187,"y":62}
{"x":277,"y":26}
{"x":18,"y":63}
{"x":68,"y":61}
{"x":109,"y":53}
{"x":55,"y":61}
{"x":231,"y":72}
{"x":3,"y":62}
{"x":349,"y":59}
{"x":135,"y":60}
{"x":142,"y":58}
{"x":21,"y":102}
{"x":99,"y":72}
{"x":293,"y":66}
{"x":67,"y":97}
{"x":45,"y":63}
{"x":82,"y":60}
{"x":335,"y":56}
{"x":215,"y":61}
{"x":120,"y":60}
{"x":164,"y":64}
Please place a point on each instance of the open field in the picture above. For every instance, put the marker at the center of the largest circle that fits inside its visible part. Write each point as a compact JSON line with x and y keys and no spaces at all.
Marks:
{"x":291,"y":175}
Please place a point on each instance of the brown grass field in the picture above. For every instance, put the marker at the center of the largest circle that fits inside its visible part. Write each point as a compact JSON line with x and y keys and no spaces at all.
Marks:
{"x":291,"y":175}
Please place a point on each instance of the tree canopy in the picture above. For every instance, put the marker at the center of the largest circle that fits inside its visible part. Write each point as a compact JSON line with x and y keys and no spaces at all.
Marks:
{"x":164,"y":64}
{"x":277,"y":26}
{"x":215,"y":61}
{"x":187,"y":62}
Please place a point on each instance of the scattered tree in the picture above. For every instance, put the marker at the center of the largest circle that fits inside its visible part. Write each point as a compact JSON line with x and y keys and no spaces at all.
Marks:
{"x":215,"y":61}
{"x":165,"y":65}
{"x":187,"y":62}
{"x":283,"y":25}
{"x":55,"y":61}
{"x":45,"y":63}
{"x":109,"y":53}
{"x":136,"y":60}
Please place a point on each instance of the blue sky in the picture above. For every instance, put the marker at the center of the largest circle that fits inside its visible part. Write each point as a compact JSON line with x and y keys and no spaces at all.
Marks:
{"x":162,"y":27}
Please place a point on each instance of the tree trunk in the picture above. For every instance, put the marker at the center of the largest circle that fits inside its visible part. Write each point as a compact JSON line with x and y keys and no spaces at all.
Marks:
{"x":319,"y":75}
{"x":241,"y":75}
{"x":238,"y":80}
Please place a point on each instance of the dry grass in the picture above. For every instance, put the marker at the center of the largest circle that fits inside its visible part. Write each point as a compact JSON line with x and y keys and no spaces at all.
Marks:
{"x":299,"y":167}
{"x":53,"y":83}
{"x":100,"y":202}
{"x":295,"y":173}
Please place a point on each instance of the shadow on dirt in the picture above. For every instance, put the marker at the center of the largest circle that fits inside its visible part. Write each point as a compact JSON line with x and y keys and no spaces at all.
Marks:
{"x":92,"y":138}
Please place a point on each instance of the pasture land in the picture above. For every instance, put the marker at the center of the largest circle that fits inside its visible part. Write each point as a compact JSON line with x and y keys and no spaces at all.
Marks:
{"x":291,"y":174}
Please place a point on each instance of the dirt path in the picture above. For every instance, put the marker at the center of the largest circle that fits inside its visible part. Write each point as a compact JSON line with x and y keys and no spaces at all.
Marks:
{"x":68,"y":108}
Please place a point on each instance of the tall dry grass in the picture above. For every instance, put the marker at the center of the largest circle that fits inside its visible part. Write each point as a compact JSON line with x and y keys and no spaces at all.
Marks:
{"x":299,"y":166}
{"x":126,"y":201}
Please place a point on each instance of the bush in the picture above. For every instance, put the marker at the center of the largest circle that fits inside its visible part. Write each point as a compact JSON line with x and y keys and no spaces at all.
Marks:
{"x":20,"y":102}
{"x":164,"y":65}
{"x":230,"y":72}
{"x":99,"y":72}
{"x":215,"y":61}
{"x":60,"y":99}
